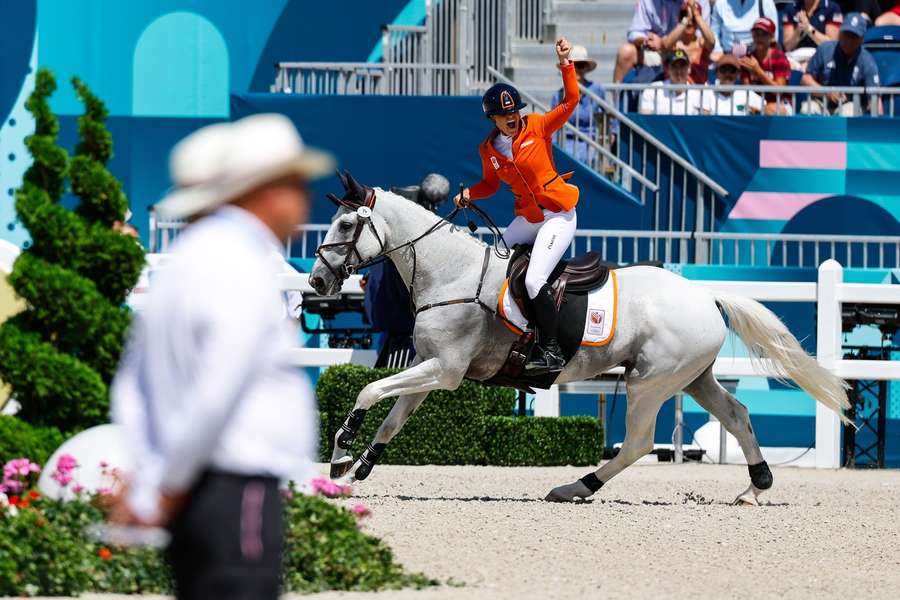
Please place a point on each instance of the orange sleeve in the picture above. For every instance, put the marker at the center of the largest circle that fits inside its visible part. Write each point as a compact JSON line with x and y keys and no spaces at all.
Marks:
{"x":489,"y":183}
{"x":557,"y":117}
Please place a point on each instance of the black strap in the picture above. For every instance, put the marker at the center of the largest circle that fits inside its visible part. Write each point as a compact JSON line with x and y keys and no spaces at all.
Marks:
{"x":476,"y":298}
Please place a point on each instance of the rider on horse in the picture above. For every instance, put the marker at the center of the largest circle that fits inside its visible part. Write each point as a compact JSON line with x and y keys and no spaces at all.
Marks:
{"x":519,"y":152}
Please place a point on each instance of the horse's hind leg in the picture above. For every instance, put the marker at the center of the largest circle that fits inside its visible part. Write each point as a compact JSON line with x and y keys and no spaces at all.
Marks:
{"x":733,"y":415}
{"x":645,"y":397}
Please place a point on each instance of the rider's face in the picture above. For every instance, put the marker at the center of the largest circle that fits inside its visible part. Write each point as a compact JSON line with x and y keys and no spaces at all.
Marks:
{"x":508,"y":124}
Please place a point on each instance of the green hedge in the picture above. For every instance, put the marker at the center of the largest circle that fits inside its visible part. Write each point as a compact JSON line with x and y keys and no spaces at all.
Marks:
{"x":20,"y":439}
{"x":444,"y":431}
{"x":471,"y":425}
{"x":543,"y":441}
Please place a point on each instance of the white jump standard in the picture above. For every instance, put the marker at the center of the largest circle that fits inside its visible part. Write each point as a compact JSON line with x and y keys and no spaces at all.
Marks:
{"x":668,"y":334}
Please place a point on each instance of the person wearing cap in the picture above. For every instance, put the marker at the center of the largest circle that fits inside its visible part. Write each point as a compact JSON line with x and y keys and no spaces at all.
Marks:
{"x":685,"y":36}
{"x":808,"y":23}
{"x":588,"y":112}
{"x":212,"y":408}
{"x":732,"y":22}
{"x":652,"y":21}
{"x":658,"y":99}
{"x":519,"y":153}
{"x":766,"y":64}
{"x":730,"y":104}
{"x":842,"y":63}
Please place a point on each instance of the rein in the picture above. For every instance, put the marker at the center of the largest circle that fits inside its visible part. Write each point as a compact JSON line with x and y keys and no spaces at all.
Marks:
{"x":364,"y":213}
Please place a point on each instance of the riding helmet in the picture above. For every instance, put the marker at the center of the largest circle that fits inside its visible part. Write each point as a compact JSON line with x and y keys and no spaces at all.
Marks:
{"x":501,"y":99}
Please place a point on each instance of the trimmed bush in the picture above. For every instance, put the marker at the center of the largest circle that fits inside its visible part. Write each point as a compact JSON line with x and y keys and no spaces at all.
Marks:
{"x":60,"y":354}
{"x":471,"y":425}
{"x":445,"y":430}
{"x":543,"y":441}
{"x":18,"y":438}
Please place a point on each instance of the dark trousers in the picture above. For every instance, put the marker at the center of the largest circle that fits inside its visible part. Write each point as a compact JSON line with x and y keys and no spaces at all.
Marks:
{"x":227,"y":539}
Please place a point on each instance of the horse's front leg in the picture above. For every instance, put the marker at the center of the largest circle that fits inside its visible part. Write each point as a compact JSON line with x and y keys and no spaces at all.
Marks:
{"x":417,"y":380}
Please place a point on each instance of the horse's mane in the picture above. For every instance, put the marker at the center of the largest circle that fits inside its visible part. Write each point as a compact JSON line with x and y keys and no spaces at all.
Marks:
{"x":451,"y":228}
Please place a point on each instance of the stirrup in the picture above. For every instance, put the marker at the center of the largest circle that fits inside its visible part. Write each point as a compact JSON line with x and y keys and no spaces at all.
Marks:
{"x":548,"y":362}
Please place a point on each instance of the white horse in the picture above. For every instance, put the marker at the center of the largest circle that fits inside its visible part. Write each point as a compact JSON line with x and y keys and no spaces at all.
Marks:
{"x":669,"y":331}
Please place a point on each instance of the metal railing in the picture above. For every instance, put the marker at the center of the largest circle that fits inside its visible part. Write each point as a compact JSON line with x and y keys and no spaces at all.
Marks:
{"x":369,"y":78}
{"x":598,"y":153}
{"x":624,"y":246}
{"x":798,"y":249}
{"x":786,"y":100}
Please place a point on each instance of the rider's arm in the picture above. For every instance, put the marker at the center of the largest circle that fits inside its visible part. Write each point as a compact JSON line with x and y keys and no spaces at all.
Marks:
{"x":489,"y":183}
{"x":557,"y":117}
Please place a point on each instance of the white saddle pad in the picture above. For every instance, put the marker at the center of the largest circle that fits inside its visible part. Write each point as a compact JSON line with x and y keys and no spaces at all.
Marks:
{"x":599,"y":321}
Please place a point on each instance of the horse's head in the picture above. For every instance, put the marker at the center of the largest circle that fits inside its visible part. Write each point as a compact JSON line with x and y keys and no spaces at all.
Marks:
{"x":356,"y":236}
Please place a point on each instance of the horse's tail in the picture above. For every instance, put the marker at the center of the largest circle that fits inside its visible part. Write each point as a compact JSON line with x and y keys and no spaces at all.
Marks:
{"x":770,"y":342}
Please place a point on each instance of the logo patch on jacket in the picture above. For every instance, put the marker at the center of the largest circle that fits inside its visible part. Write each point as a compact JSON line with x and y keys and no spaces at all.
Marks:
{"x":526,"y":143}
{"x":506,"y":100}
{"x":495,"y":162}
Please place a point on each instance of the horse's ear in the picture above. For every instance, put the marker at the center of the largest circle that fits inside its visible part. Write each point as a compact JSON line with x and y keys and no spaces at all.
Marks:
{"x":335,"y":199}
{"x":356,"y":189}
{"x":343,"y":178}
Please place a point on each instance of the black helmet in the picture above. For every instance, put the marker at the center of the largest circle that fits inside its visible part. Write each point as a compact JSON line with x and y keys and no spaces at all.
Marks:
{"x":501,"y":99}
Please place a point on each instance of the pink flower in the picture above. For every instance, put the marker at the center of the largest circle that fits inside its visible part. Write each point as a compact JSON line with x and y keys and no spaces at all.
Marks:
{"x":65,"y":464}
{"x":77,"y":488}
{"x":329,"y":488}
{"x":104,"y":491}
{"x":62,"y":479}
{"x":103,"y":464}
{"x":361,"y":511}
{"x":12,"y":485}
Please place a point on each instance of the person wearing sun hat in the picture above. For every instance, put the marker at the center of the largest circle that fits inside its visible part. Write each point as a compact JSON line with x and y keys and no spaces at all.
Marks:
{"x":214,"y":412}
{"x":844,"y":63}
{"x":588,"y":114}
{"x":694,"y":36}
{"x":730,"y":103}
{"x":659,"y":99}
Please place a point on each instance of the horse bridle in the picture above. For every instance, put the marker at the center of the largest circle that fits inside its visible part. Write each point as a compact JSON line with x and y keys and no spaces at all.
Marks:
{"x":363,"y":218}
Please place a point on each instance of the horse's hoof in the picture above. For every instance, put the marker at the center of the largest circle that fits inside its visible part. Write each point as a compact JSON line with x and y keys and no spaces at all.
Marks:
{"x":746,"y":500}
{"x":555,"y":496}
{"x":340,"y":466}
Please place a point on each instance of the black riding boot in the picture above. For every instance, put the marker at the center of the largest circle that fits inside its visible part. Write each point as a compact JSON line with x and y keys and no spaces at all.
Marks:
{"x":547,"y":319}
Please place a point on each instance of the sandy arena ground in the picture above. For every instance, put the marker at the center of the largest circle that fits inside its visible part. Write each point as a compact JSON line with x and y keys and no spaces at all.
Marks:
{"x":656,"y":531}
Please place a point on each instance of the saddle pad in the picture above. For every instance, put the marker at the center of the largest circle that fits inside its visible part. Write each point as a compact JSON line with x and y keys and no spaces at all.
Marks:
{"x":599,"y":321}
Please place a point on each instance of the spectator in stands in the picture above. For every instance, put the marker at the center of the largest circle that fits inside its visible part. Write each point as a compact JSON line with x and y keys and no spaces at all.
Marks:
{"x":588,"y":114}
{"x":765,"y":64}
{"x":658,"y":99}
{"x":732,"y":22}
{"x":890,"y":16}
{"x":685,"y":36}
{"x":841,"y":63}
{"x":653,"y":19}
{"x":737,"y":103}
{"x":808,"y":23}
{"x":870,"y":9}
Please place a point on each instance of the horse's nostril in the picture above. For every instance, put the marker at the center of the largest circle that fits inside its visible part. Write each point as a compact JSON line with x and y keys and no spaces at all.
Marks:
{"x":317,"y":283}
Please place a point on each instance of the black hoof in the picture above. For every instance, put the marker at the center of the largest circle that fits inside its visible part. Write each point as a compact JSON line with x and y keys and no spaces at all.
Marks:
{"x":760,"y":475}
{"x":340,"y":469}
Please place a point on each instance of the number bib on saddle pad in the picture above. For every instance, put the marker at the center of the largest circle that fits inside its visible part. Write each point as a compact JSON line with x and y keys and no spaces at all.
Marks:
{"x":599,"y":313}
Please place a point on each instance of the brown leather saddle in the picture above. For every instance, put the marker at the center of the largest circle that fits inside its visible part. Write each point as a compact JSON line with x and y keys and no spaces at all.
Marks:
{"x":580,"y":274}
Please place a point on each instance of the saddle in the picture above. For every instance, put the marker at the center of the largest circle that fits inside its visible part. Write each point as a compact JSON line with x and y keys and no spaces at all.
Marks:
{"x":580,"y":274}
{"x":571,"y":281}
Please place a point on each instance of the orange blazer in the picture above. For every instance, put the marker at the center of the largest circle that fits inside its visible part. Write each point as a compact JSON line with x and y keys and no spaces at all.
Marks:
{"x":532,"y":173}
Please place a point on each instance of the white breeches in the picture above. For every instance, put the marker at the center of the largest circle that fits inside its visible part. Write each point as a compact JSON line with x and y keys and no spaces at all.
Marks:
{"x":550,"y":239}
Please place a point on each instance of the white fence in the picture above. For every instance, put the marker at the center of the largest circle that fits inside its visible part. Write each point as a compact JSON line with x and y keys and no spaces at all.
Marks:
{"x":828,"y":293}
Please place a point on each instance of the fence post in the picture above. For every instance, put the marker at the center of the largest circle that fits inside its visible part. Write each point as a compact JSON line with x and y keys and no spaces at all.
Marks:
{"x":546,"y":402}
{"x":828,"y":353}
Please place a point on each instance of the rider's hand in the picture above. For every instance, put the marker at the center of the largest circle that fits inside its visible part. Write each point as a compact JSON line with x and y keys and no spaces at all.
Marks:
{"x":464,"y":200}
{"x":563,"y":47}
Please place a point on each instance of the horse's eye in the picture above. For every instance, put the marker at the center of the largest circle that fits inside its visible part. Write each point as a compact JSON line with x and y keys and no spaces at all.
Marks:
{"x":346,"y":225}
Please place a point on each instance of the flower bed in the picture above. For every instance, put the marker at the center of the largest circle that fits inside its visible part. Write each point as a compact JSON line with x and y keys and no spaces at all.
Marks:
{"x":44,"y":550}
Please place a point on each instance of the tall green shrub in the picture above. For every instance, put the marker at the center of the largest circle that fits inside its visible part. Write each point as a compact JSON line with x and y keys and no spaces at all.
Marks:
{"x":60,"y":353}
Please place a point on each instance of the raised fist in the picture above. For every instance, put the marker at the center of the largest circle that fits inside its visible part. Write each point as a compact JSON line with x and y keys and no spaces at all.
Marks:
{"x":563,"y":47}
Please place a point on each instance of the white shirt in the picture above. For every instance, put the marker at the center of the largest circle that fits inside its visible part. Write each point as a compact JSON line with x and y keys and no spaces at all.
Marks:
{"x":659,"y":100}
{"x":737,"y":103}
{"x":206,"y":379}
{"x":503,"y":145}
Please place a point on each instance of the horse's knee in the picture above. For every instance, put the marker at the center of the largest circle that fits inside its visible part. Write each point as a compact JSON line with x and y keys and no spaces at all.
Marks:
{"x":760,"y":475}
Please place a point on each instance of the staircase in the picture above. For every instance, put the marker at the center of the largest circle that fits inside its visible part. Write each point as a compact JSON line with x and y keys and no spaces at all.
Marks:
{"x":599,"y":25}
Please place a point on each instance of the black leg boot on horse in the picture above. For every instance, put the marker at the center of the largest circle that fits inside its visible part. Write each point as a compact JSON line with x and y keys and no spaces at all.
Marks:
{"x":546,"y":314}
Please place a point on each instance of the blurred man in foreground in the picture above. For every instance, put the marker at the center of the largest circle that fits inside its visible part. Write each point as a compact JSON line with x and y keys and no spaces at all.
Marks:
{"x":215,"y":414}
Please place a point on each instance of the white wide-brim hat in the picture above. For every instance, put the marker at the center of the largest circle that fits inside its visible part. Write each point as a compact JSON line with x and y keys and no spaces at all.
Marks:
{"x":579,"y":54}
{"x":220,"y":163}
